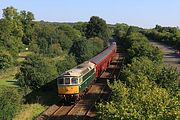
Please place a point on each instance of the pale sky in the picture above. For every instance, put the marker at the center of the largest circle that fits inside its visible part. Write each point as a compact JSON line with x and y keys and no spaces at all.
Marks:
{"x":143,"y":13}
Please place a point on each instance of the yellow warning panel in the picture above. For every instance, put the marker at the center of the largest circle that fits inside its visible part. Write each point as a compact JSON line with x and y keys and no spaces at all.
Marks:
{"x":68,"y":89}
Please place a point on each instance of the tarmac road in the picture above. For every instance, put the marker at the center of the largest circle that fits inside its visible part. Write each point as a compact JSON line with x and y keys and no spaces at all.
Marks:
{"x":170,"y":57}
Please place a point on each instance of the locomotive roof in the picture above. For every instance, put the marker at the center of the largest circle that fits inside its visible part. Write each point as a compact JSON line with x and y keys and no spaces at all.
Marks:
{"x":80,"y":69}
{"x":98,"y":58}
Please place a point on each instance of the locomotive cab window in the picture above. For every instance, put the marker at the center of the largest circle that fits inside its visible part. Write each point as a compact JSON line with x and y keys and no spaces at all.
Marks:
{"x":67,"y":81}
{"x":74,"y":80}
{"x":60,"y":80}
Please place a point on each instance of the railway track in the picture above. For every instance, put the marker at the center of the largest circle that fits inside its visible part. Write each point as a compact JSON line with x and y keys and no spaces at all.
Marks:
{"x":85,"y":108}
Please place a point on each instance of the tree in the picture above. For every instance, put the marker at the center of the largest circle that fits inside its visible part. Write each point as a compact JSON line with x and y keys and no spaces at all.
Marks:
{"x":148,"y":89}
{"x":97,"y":27}
{"x":36,"y":72}
{"x":66,"y":64}
{"x":167,"y":35}
{"x":145,"y":102}
{"x":43,"y":45}
{"x":95,"y":45}
{"x":6,"y":60}
{"x":10,"y":102}
{"x":55,"y":50}
{"x":120,"y":31}
{"x":167,"y":78}
{"x":84,"y":49}
{"x":81,"y":26}
{"x":79,"y":50}
{"x":70,"y":31}
{"x":28,"y":26}
{"x":65,"y":41}
{"x":11,"y":31}
{"x":137,"y":45}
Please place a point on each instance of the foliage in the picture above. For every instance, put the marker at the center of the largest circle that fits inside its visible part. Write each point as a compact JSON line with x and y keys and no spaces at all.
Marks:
{"x":141,"y":102}
{"x":141,"y":48}
{"x":28,"y":26}
{"x":120,"y":31}
{"x":95,"y":45}
{"x":10,"y":102}
{"x":97,"y":27}
{"x":48,"y":35}
{"x":79,"y":49}
{"x":55,"y":50}
{"x":65,"y":41}
{"x":148,"y":90}
{"x":167,"y":78}
{"x":137,"y":45}
{"x":84,"y":49}
{"x":158,"y":73}
{"x":66,"y":64}
{"x":11,"y":31}
{"x":6,"y":60}
{"x":167,"y":35}
{"x":36,"y":72}
{"x":70,"y":31}
{"x":81,"y":26}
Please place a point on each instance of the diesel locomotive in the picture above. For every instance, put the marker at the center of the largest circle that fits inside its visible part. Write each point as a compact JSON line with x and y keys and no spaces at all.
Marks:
{"x":76,"y":81}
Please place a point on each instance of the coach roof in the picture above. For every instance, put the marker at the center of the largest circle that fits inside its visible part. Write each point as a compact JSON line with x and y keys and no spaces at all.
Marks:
{"x":98,"y":58}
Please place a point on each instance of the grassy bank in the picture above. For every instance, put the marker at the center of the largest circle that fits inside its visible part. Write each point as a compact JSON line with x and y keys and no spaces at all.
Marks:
{"x":7,"y":77}
{"x":30,"y":111}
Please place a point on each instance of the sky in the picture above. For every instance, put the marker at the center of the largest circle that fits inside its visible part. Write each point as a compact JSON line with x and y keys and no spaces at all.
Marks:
{"x":142,"y":13}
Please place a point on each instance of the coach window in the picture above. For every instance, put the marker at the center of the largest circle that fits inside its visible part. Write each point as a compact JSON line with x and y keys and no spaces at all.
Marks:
{"x":67,"y":81}
{"x":74,"y":80}
{"x":60,"y":80}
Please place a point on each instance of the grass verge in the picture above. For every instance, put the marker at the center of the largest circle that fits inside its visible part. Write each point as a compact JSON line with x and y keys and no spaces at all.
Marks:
{"x":30,"y":111}
{"x":7,"y":77}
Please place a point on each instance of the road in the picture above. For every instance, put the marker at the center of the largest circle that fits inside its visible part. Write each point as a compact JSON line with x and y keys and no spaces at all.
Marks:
{"x":170,"y":57}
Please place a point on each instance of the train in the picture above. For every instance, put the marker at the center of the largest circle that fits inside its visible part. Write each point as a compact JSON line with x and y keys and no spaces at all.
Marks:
{"x":74,"y":83}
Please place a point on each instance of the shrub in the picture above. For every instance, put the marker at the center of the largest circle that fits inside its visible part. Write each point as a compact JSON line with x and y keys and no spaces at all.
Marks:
{"x":140,"y":102}
{"x":10,"y":102}
{"x":36,"y":72}
{"x":6,"y":60}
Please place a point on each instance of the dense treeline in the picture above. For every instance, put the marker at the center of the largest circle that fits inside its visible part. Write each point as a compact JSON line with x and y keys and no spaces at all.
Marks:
{"x":167,"y":35}
{"x":52,"y":48}
{"x":148,"y":89}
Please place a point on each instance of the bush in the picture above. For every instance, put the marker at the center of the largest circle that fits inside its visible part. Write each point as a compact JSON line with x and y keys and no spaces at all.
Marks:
{"x":145,"y":102}
{"x":139,"y":49}
{"x":36,"y":72}
{"x":138,"y":46}
{"x":10,"y":102}
{"x":6,"y":60}
{"x":168,"y":78}
{"x":155,"y":72}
